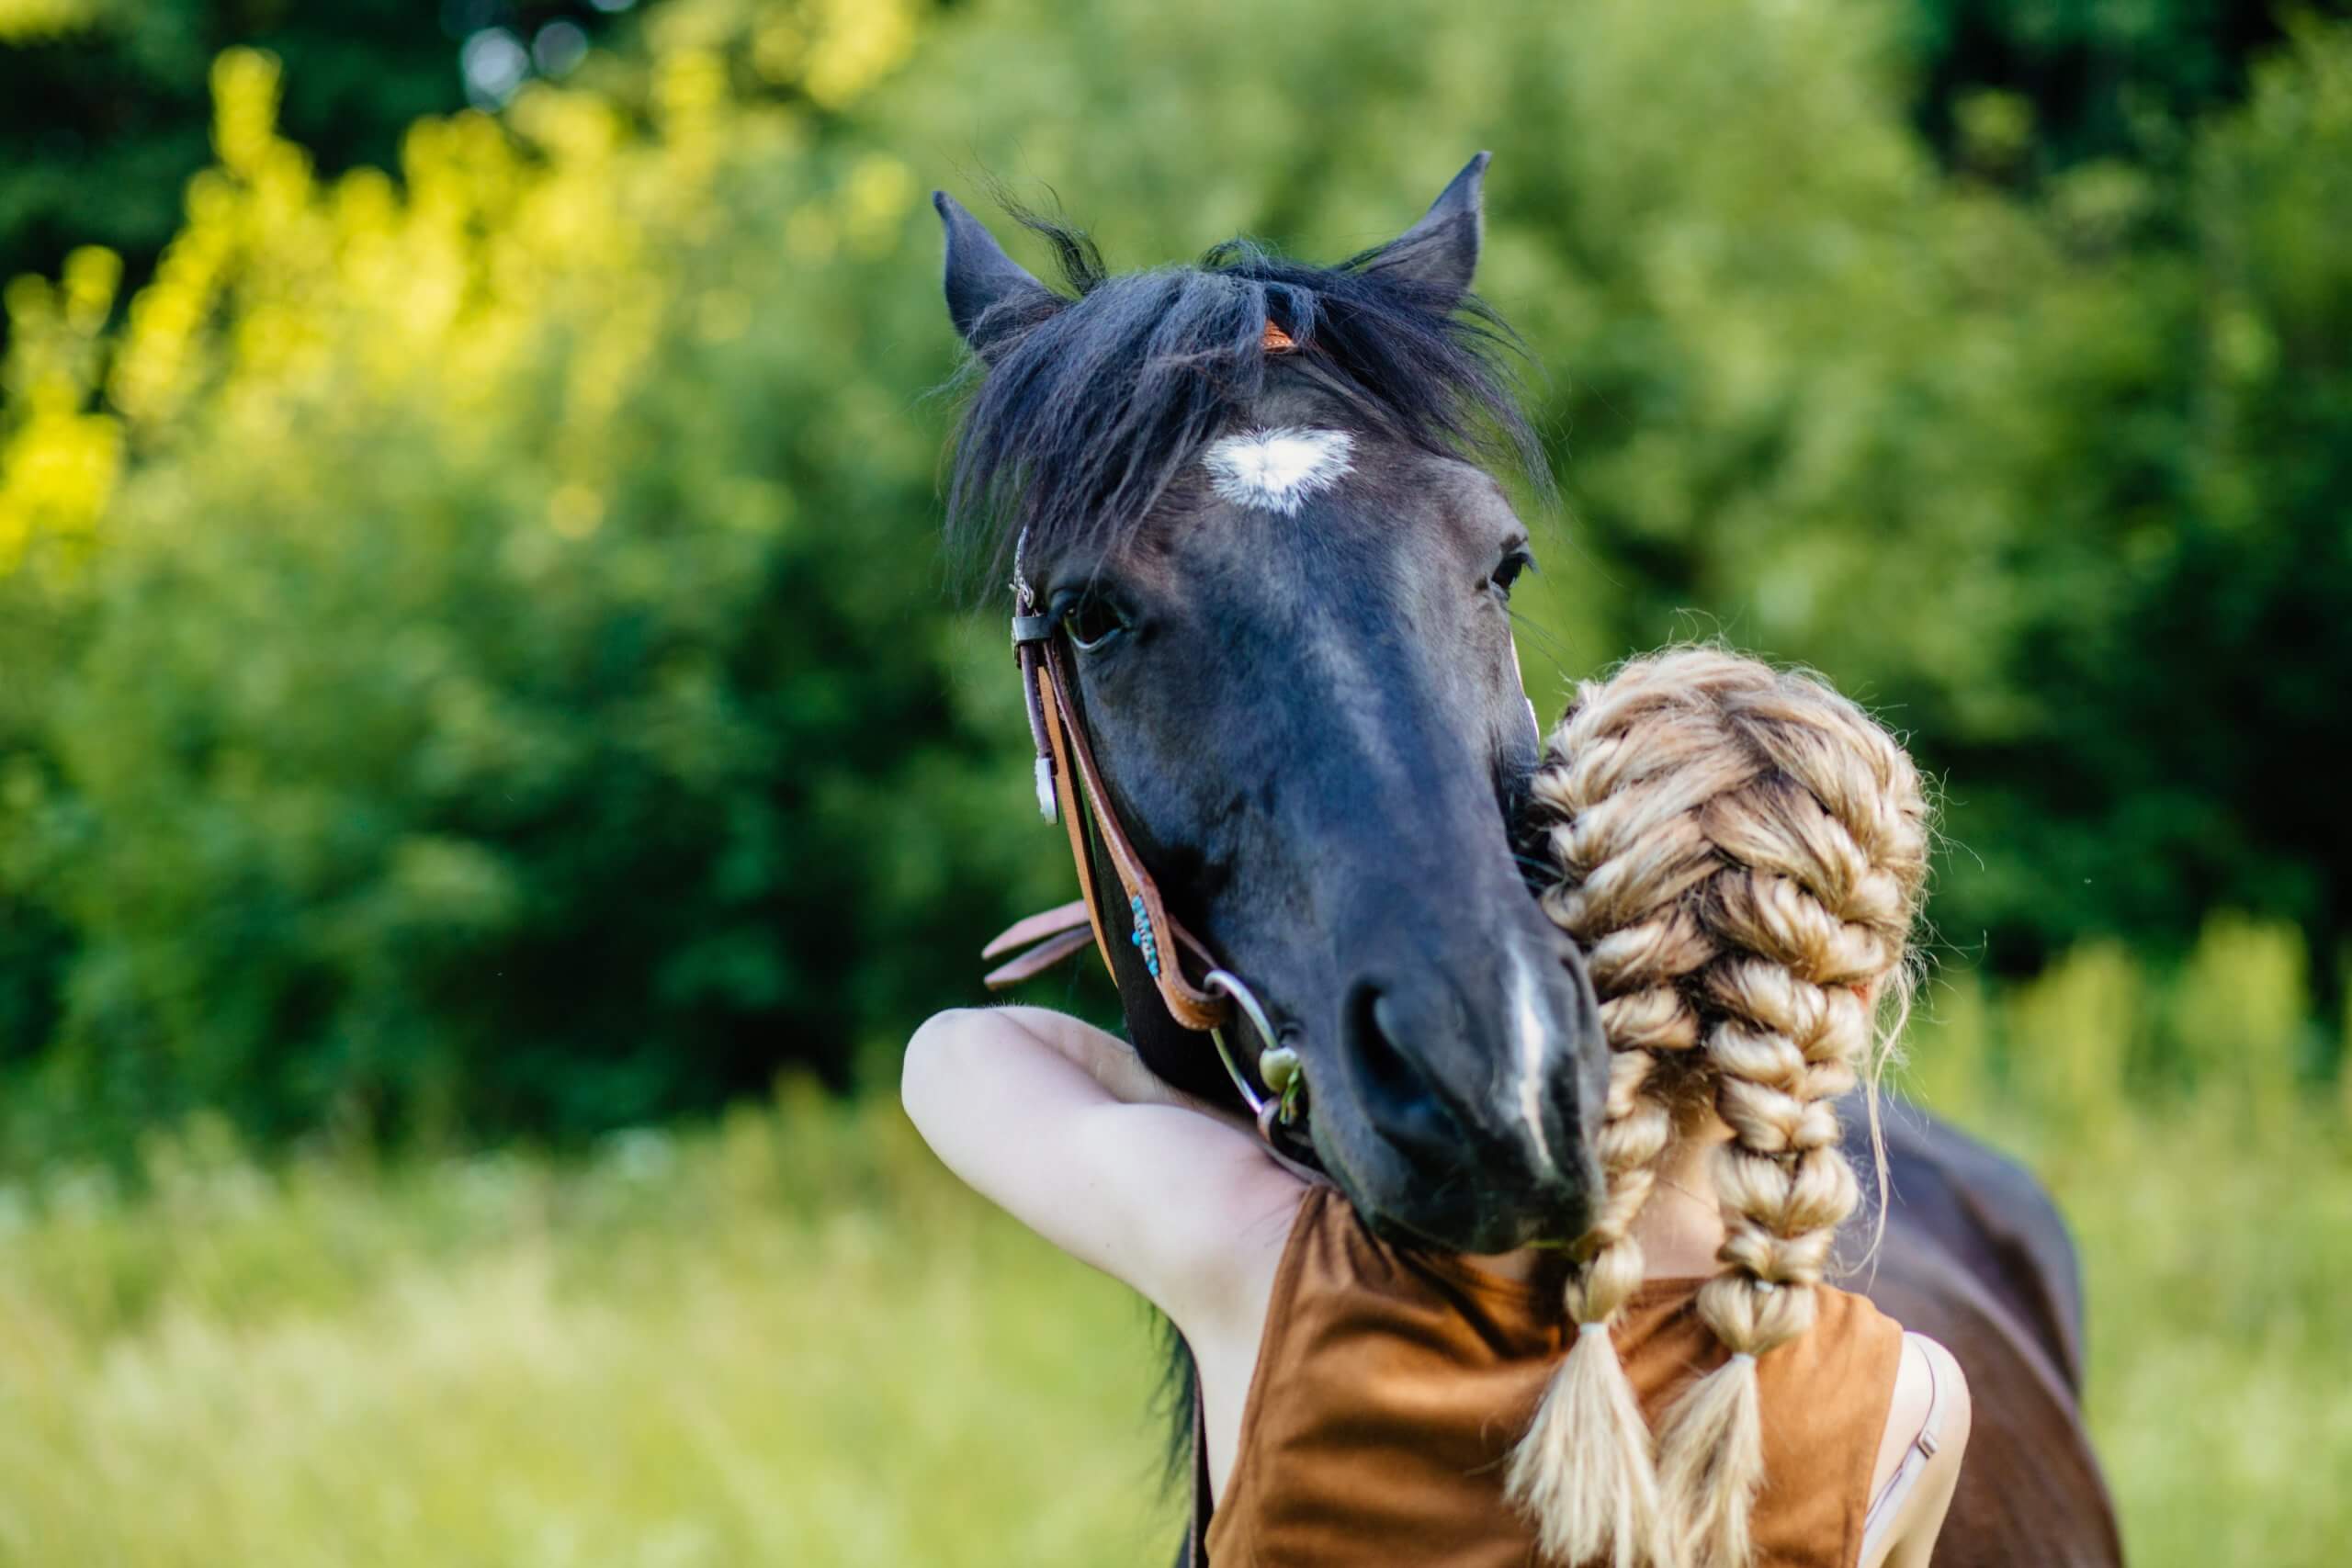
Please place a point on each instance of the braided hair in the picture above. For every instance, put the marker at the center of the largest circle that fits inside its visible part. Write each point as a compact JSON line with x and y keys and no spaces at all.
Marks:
{"x":1740,"y":852}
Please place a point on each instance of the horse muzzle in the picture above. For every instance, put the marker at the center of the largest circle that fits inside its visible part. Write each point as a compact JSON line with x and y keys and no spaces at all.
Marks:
{"x":1462,"y":1117}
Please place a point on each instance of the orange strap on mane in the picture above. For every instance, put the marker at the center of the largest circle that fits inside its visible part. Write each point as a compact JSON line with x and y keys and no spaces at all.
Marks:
{"x":1278,"y":341}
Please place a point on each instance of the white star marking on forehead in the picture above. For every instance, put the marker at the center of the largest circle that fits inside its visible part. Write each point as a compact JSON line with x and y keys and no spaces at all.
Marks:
{"x":1277,"y":470}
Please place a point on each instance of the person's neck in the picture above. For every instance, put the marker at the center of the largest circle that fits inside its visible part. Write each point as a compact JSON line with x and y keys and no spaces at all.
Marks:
{"x":1680,"y":1226}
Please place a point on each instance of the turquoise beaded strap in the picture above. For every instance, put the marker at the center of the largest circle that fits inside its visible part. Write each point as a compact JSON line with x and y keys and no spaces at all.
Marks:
{"x":1145,"y":939}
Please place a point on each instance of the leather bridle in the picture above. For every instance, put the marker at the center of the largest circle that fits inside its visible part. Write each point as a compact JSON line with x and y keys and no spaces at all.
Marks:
{"x":1071,"y":789}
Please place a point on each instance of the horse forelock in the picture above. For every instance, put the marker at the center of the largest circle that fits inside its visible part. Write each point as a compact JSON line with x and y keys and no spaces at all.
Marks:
{"x":1076,"y":432}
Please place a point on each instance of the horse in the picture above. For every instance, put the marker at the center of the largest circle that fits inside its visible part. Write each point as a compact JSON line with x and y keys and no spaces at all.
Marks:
{"x":1260,"y":563}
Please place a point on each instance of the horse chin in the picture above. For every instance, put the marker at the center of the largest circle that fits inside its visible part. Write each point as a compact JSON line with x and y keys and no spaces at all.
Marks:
{"x":1467,"y":1216}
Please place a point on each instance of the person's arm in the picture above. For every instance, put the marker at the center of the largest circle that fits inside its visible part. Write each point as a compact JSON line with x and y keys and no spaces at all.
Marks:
{"x":1062,"y":1126}
{"x":1929,"y":1379}
{"x":1104,"y":1058}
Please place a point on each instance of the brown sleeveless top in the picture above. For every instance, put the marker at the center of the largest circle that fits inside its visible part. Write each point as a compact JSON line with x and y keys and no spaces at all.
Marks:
{"x":1392,"y":1385}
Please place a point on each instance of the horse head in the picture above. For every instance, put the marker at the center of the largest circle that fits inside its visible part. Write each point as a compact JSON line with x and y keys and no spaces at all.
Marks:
{"x":1258,"y":499}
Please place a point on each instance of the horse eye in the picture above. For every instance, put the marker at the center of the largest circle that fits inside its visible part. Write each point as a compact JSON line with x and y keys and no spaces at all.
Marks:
{"x":1508,"y":572}
{"x":1092,"y":621}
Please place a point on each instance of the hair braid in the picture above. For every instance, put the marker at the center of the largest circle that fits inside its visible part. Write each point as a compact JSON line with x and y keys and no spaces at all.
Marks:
{"x":1740,"y":854}
{"x":1620,"y":824}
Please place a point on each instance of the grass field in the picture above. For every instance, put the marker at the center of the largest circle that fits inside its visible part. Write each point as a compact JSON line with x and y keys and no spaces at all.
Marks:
{"x":791,"y":1340}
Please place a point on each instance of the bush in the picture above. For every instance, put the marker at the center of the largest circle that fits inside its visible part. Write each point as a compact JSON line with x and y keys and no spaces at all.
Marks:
{"x":476,"y":656}
{"x":512,"y":689}
{"x":103,"y":112}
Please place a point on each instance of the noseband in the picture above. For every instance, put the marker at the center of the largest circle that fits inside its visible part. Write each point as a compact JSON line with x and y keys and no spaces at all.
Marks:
{"x":1071,"y":789}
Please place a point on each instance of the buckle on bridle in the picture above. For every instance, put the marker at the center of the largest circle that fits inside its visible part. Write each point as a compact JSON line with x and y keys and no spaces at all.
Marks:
{"x":1030,"y":632}
{"x":1278,"y":1065}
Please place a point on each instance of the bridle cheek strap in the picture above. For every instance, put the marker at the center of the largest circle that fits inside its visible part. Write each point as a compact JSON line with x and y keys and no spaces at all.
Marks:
{"x":1070,"y":786}
{"x":1071,"y":791}
{"x":1165,"y":946}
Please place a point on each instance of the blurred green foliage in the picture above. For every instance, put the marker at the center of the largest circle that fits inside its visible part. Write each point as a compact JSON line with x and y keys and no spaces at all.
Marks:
{"x":2024,"y":87}
{"x":104,"y":114}
{"x":2060,"y":483}
{"x":475,"y":662}
{"x":787,"y":1338}
{"x":492,"y":692}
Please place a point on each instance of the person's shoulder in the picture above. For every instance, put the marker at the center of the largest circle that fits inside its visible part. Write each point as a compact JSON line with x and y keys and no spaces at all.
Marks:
{"x":1835,"y":1300}
{"x":1919,"y":1456}
{"x":1953,"y":1412}
{"x":1929,"y":1412}
{"x":1931,"y":1384}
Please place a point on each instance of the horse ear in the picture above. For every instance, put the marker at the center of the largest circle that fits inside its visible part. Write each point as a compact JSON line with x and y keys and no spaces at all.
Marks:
{"x":991,"y":300}
{"x":1439,"y":254}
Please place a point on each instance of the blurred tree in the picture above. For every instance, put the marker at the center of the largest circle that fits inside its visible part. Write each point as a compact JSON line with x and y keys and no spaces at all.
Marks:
{"x":2189,"y":669}
{"x":509,"y":687}
{"x":473,"y":650}
{"x":104,"y":113}
{"x":2025,"y":88}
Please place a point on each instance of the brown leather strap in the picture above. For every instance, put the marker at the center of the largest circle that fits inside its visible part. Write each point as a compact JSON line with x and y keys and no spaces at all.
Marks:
{"x":1035,"y":928}
{"x":1047,"y":705}
{"x":1066,"y":777}
{"x":1040,"y":958}
{"x":1187,"y":1003}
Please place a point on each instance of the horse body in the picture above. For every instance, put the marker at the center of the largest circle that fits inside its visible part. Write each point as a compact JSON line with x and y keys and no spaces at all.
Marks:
{"x":1975,"y":1256}
{"x":1295,"y":671}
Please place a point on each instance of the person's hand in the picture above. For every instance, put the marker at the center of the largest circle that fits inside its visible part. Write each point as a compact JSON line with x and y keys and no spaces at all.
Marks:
{"x":1112,"y":1063}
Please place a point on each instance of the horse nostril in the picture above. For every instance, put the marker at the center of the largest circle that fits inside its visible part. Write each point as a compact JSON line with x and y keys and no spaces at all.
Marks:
{"x":1372,"y":1028}
{"x":1386,"y":1035}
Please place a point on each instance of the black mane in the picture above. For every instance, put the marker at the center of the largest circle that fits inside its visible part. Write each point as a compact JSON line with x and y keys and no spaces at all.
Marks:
{"x":1077,"y":429}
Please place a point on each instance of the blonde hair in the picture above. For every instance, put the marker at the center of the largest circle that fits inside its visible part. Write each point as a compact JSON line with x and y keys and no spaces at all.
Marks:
{"x":1740,"y":852}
